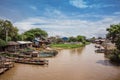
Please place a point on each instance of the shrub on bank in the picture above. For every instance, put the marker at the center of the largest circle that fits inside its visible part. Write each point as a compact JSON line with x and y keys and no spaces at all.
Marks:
{"x":114,"y":56}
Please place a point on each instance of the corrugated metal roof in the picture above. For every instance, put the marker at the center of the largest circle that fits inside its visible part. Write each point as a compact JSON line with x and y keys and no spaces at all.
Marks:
{"x":24,"y":42}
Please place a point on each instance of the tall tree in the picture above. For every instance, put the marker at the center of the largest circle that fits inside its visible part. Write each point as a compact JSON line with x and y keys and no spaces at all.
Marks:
{"x":7,"y":30}
{"x":114,"y":34}
{"x":72,"y":39}
{"x":2,"y":43}
{"x":37,"y":32}
{"x":81,"y":38}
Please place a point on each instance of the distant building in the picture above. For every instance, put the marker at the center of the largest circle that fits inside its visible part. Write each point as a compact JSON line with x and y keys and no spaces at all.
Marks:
{"x":99,"y":41}
{"x":40,"y":42}
{"x":65,"y":39}
{"x":107,"y":44}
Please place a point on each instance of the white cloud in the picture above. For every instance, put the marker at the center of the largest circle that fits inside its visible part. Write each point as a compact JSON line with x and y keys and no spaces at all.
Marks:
{"x":63,"y":25}
{"x":78,"y":3}
{"x":84,"y":4}
{"x":54,"y":13}
{"x":33,"y":7}
{"x":118,"y":13}
{"x":68,"y":27}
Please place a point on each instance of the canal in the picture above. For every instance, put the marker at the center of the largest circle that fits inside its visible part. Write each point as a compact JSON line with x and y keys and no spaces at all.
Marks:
{"x":69,"y":64}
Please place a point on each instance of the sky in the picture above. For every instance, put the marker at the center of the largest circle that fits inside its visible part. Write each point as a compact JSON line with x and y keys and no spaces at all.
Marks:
{"x":89,"y":18}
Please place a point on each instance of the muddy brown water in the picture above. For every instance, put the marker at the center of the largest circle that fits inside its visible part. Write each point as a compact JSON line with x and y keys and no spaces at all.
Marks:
{"x":69,"y":64}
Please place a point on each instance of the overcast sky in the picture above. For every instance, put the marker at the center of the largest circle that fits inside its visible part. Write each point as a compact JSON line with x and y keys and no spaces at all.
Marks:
{"x":62,"y":17}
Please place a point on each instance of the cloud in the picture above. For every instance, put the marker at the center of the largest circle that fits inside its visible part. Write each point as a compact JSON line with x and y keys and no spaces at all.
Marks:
{"x":54,"y":13}
{"x":100,"y":5}
{"x":33,"y":7}
{"x":117,"y":13}
{"x":55,"y":22}
{"x":84,"y":4}
{"x":79,"y":3}
{"x":68,"y":27}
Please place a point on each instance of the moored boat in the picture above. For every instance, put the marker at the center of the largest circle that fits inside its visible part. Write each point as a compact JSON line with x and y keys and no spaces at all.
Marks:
{"x":31,"y":61}
{"x":49,"y":53}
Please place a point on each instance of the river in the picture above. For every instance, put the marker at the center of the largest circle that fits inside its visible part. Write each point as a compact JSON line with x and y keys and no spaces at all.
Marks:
{"x":69,"y":64}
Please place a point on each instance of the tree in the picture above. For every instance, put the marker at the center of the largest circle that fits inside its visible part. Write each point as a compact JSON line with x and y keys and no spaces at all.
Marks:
{"x":92,"y":39}
{"x":81,"y":38}
{"x":114,"y":34}
{"x":7,"y":30}
{"x":59,"y":40}
{"x":32,"y":33}
{"x":2,"y":43}
{"x":20,"y":37}
{"x":72,"y":39}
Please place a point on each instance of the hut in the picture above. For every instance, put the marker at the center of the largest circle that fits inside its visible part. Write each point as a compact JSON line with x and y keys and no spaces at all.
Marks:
{"x":38,"y":42}
{"x":99,"y":41}
{"x":12,"y":46}
{"x":24,"y":44}
{"x":108,"y":45}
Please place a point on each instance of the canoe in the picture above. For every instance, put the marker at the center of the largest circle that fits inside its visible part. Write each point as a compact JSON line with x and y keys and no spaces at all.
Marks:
{"x":34,"y":62}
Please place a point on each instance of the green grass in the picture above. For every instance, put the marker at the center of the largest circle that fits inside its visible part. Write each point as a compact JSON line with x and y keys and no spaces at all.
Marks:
{"x":87,"y":43}
{"x":66,"y":46}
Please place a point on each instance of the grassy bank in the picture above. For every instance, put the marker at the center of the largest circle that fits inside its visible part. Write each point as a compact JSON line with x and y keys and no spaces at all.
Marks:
{"x":67,"y":46}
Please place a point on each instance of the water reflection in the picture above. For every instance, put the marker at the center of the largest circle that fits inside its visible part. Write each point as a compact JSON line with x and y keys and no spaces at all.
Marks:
{"x":106,"y":63}
{"x":76,"y":51}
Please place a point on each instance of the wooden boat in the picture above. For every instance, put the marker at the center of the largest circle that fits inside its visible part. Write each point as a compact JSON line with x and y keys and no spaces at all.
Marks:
{"x":50,"y":53}
{"x":97,"y":46}
{"x":100,"y":50}
{"x":31,"y":61}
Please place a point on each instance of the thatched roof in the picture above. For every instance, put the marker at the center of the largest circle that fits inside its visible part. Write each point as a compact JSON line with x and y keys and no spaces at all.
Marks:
{"x":10,"y":43}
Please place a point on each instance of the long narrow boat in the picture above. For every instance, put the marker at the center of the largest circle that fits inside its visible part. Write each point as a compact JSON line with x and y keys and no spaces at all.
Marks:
{"x":32,"y":61}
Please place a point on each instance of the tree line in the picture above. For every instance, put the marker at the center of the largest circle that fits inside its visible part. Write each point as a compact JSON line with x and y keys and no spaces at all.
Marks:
{"x":78,"y":38}
{"x":9,"y":32}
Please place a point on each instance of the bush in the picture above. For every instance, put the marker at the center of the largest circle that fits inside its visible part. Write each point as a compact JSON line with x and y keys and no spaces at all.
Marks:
{"x":114,"y":56}
{"x":2,"y":43}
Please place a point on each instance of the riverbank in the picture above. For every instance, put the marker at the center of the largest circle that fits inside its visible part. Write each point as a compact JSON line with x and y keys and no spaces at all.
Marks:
{"x":68,"y":45}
